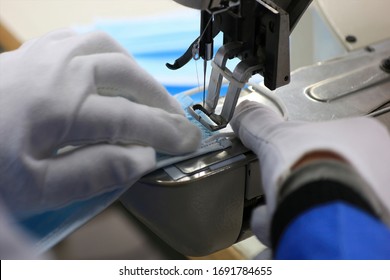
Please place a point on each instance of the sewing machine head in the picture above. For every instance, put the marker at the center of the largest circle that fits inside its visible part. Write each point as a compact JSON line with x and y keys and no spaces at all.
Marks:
{"x":255,"y":31}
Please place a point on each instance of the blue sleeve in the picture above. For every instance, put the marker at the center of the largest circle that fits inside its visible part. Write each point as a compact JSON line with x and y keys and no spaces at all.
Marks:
{"x":335,"y":230}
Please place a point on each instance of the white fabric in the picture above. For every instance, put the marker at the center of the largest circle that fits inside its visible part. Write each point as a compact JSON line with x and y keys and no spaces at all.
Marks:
{"x":364,"y":142}
{"x":81,"y":90}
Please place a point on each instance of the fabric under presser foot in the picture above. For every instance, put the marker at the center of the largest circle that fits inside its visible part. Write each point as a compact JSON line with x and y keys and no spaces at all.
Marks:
{"x":211,"y":141}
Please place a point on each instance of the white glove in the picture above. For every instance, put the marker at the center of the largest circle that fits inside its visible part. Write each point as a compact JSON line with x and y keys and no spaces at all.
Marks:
{"x":81,"y":90}
{"x":363,"y":142}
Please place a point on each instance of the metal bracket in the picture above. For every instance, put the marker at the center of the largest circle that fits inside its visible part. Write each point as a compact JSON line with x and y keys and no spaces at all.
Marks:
{"x":237,"y":80}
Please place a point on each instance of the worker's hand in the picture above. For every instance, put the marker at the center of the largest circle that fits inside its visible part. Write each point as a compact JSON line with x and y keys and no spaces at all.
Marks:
{"x":66,"y":89}
{"x":362,"y":142}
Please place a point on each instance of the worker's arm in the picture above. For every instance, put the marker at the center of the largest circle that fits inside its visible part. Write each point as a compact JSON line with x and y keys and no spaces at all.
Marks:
{"x":308,"y":166}
{"x":320,"y":215}
{"x":317,"y":234}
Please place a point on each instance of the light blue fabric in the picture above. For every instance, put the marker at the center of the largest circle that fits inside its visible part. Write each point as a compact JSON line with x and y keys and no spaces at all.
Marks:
{"x":206,"y":146}
{"x":51,"y":227}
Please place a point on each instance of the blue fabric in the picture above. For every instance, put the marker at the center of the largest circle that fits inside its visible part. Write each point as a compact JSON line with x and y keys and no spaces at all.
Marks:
{"x":50,"y":227}
{"x":335,"y":231}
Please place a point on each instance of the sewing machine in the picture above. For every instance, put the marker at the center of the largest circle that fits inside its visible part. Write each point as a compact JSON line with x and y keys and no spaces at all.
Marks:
{"x":203,"y":204}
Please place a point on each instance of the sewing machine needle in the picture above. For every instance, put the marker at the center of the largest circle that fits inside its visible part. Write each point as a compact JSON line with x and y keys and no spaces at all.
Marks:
{"x":204,"y":80}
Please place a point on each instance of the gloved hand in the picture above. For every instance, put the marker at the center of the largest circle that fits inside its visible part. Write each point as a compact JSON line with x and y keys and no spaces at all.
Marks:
{"x":66,"y":89}
{"x":362,"y":142}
